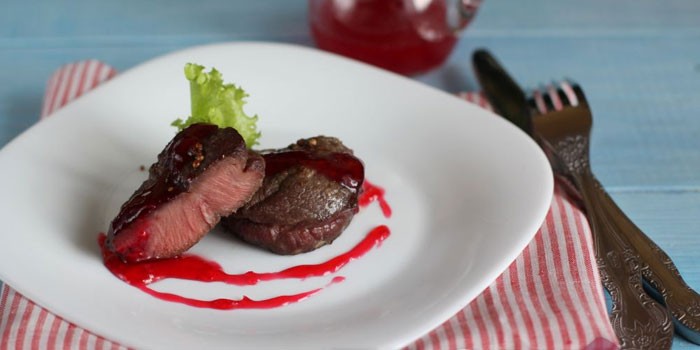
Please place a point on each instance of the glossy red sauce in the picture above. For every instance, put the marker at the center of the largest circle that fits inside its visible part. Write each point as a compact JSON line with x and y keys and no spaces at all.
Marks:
{"x":182,"y":147}
{"x":231,"y":304}
{"x":371,"y":193}
{"x":193,"y":267}
{"x":342,"y":168}
{"x":183,"y":150}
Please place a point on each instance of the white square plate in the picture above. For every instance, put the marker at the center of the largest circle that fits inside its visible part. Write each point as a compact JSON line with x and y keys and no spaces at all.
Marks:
{"x":468,"y":192}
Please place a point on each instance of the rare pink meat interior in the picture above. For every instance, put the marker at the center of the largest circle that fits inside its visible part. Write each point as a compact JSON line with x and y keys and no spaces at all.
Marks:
{"x":204,"y":173}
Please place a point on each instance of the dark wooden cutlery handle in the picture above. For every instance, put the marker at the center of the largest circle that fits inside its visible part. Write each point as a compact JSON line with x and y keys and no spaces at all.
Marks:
{"x":639,"y":321}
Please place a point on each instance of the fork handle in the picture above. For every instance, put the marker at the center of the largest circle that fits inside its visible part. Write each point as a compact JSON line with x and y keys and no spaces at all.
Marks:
{"x":638,"y":320}
{"x":659,"y":272}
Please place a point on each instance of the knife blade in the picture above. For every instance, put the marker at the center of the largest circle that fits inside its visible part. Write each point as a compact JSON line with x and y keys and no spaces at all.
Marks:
{"x":501,"y":90}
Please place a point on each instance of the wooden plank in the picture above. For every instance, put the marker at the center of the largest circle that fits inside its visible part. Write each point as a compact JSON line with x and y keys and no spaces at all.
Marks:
{"x":592,"y":16}
{"x":22,"y":20}
{"x":162,"y":19}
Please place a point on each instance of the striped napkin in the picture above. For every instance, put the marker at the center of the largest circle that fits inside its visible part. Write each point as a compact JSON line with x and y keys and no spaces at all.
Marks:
{"x":549,"y":298}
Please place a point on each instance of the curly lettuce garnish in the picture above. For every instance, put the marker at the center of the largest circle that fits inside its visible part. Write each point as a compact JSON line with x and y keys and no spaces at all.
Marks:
{"x":214,"y":102}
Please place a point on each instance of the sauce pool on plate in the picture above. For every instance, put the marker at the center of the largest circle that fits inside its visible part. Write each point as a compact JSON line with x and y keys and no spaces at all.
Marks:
{"x":195,"y":268}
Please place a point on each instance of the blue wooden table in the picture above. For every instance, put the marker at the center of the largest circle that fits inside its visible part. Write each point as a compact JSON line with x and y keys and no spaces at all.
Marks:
{"x":638,"y":60}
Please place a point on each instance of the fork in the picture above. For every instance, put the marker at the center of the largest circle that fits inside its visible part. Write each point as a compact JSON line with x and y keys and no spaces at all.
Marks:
{"x":661,"y":278}
{"x":628,"y":260}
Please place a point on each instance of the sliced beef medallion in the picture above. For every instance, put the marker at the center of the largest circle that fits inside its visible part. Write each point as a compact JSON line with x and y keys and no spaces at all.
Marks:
{"x":308,"y":197}
{"x":204,"y":173}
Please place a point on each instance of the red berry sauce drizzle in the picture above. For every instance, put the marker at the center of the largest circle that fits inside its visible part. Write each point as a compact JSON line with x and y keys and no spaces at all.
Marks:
{"x":371,"y":193}
{"x":195,"y":268}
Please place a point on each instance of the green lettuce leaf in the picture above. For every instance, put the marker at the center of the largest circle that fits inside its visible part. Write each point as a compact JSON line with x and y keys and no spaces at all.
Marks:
{"x":214,"y":102}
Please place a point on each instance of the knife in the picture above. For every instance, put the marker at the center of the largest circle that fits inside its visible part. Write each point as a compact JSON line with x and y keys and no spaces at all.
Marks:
{"x":509,"y":100}
{"x":504,"y":94}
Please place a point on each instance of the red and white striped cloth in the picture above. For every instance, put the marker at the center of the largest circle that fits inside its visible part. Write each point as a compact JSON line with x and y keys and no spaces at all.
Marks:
{"x":549,"y":298}
{"x":72,"y":81}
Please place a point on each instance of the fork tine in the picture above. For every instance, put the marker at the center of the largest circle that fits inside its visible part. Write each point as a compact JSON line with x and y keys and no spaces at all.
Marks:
{"x":544,"y":99}
{"x":567,"y":89}
{"x":566,"y":95}
{"x":548,"y":101}
{"x":555,"y":96}
{"x":578,"y":92}
{"x":538,"y":101}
